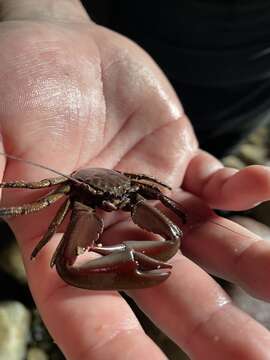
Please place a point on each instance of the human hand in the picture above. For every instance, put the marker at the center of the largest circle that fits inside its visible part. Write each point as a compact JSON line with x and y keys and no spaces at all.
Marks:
{"x":74,"y":95}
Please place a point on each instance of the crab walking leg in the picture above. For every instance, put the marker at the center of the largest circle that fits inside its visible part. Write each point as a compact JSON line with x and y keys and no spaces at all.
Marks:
{"x":57,"y":221}
{"x":153,"y":193}
{"x":34,"y":184}
{"x":35,"y":205}
{"x":138,"y":177}
{"x":174,"y":206}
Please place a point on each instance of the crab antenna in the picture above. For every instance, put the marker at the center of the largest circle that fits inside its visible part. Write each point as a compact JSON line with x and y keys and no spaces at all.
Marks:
{"x":13,"y":157}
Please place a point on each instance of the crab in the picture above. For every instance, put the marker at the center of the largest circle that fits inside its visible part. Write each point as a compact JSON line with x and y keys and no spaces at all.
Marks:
{"x":128,"y":265}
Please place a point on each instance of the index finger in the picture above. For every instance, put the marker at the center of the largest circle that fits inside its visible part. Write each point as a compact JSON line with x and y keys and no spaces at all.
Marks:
{"x":227,"y":250}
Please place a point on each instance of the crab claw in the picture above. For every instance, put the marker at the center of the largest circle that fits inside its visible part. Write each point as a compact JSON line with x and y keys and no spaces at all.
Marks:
{"x":130,"y":265}
{"x":122,"y":268}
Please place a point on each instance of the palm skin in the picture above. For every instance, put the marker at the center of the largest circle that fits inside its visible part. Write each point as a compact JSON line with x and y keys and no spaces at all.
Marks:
{"x":72,"y":95}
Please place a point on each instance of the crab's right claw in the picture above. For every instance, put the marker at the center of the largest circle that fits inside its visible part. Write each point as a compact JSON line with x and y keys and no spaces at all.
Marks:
{"x":121,"y":268}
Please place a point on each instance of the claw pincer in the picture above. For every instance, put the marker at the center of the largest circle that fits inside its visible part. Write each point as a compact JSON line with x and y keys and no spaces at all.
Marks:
{"x":129,"y":265}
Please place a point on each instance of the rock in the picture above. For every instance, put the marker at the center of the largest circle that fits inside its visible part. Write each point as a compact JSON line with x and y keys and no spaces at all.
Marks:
{"x":252,"y":154}
{"x":260,"y":137}
{"x":233,"y":161}
{"x":14,"y":330}
{"x":35,"y":353}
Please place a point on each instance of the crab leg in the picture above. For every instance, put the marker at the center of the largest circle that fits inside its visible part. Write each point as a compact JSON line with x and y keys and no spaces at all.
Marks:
{"x":138,"y":177}
{"x":174,"y":206}
{"x":57,"y":221}
{"x":34,"y":184}
{"x":151,"y":219}
{"x":153,"y":193}
{"x":36,"y":205}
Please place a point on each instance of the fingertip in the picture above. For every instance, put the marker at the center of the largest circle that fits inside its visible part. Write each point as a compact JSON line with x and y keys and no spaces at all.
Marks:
{"x":245,"y":188}
{"x":227,"y":188}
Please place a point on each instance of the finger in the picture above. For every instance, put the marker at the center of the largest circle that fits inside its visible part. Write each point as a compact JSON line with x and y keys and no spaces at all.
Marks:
{"x":61,"y":10}
{"x":227,"y":188}
{"x":225,"y":248}
{"x":84,"y":324}
{"x":195,"y":311}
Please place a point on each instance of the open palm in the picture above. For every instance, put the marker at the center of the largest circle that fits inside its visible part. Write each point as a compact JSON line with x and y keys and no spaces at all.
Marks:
{"x":77,"y":95}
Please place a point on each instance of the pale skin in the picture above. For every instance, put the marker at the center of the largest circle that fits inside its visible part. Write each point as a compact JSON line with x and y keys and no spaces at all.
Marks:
{"x":72,"y":95}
